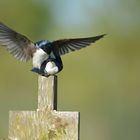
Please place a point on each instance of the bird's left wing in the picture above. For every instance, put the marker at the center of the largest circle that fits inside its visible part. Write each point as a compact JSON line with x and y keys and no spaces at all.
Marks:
{"x":61,"y":47}
{"x":18,"y":45}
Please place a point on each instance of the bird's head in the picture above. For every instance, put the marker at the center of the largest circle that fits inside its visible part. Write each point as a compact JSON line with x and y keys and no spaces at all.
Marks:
{"x":42,"y":43}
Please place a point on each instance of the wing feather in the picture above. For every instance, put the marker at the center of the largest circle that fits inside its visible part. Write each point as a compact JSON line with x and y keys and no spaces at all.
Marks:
{"x":18,"y":45}
{"x":64,"y":46}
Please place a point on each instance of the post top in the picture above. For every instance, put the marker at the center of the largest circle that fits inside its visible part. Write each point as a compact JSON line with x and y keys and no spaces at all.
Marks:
{"x":47,"y":92}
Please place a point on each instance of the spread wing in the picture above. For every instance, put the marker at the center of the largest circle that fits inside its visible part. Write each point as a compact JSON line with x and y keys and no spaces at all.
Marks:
{"x":64,"y":46}
{"x":18,"y":45}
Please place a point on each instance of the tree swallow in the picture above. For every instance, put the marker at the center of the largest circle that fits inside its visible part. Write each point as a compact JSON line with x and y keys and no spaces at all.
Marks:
{"x":45,"y":55}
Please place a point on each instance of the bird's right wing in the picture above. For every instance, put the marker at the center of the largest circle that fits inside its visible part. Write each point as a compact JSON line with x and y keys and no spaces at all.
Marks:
{"x":64,"y":46}
{"x":18,"y":45}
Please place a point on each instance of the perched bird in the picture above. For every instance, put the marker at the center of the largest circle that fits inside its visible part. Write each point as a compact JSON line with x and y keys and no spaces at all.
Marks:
{"x":45,"y":55}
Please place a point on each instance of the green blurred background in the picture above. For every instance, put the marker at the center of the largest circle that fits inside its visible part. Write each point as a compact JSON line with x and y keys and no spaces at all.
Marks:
{"x":101,"y":81}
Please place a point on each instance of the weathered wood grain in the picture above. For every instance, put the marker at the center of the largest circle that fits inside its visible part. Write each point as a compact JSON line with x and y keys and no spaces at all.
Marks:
{"x":46,"y":123}
{"x":47,"y":92}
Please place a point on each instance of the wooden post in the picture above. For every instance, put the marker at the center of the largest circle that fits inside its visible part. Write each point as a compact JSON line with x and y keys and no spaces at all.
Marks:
{"x":46,"y":123}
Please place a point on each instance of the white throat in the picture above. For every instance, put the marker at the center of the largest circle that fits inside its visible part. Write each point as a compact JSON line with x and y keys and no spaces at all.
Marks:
{"x":39,"y":57}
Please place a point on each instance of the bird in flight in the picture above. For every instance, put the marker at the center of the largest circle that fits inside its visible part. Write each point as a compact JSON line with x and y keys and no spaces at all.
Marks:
{"x":45,"y":55}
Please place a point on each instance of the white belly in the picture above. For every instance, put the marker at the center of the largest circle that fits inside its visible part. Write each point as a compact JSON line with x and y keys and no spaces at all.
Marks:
{"x":39,"y":57}
{"x":51,"y":68}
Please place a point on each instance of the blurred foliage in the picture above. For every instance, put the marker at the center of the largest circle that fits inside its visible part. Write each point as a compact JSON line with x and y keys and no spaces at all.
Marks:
{"x":102,"y":81}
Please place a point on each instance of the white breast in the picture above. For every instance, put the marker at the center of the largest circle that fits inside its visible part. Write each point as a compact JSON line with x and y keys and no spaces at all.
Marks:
{"x":51,"y":68}
{"x":39,"y":57}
